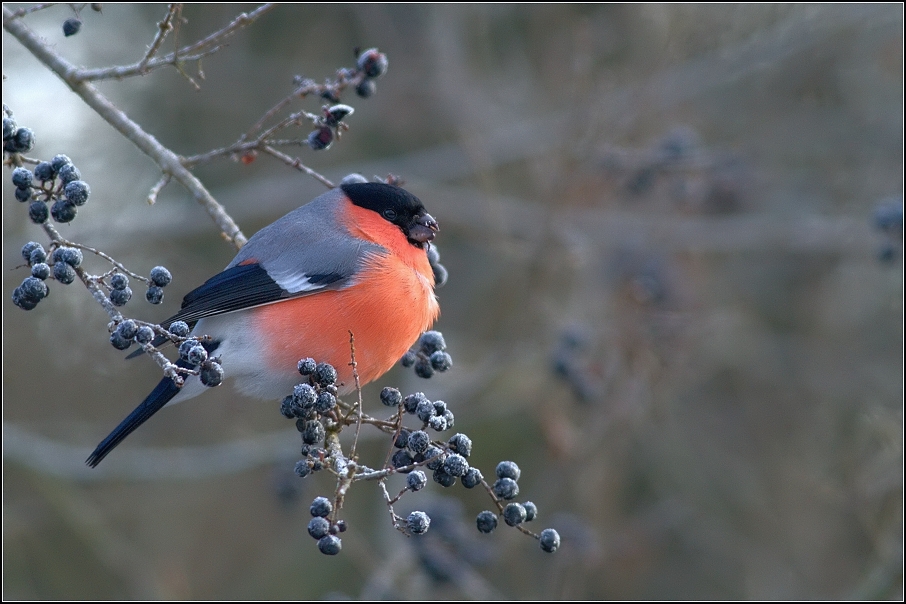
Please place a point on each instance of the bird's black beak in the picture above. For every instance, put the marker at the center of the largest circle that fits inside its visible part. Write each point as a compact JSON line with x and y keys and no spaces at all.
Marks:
{"x":423,"y":229}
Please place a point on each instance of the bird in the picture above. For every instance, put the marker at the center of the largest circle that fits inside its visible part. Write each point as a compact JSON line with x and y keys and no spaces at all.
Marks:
{"x":355,"y":260}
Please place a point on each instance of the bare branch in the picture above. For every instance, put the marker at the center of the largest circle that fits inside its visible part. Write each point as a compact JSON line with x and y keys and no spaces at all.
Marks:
{"x":163,"y":28}
{"x":195,"y":51}
{"x":169,"y":162}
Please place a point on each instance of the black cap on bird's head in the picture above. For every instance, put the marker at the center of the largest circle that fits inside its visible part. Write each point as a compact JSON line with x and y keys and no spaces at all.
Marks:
{"x":397,"y":206}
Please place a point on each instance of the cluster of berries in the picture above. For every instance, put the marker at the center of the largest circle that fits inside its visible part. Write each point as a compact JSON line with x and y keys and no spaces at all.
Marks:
{"x":309,"y":403}
{"x":514,"y":514}
{"x":429,"y":354}
{"x":15,"y":139}
{"x":57,"y":181}
{"x":328,"y":126}
{"x":121,"y":293}
{"x":370,"y":64}
{"x":323,"y":530}
{"x":33,"y":289}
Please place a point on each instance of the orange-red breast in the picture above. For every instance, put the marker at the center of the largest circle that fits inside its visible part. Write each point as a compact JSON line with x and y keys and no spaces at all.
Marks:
{"x":353,"y":260}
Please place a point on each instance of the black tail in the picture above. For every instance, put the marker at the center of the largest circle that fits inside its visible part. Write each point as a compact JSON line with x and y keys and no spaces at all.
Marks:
{"x":153,"y":403}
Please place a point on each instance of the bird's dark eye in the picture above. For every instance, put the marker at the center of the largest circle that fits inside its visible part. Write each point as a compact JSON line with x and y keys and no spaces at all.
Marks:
{"x":389,"y":214}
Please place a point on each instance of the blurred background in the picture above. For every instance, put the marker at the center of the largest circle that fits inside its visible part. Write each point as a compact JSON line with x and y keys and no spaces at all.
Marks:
{"x":669,"y":303}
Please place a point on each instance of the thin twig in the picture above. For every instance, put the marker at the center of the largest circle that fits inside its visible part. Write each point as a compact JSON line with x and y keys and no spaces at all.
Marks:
{"x":188,"y":53}
{"x":297,"y":163}
{"x":163,"y":28}
{"x":157,"y":188}
{"x":358,"y":389}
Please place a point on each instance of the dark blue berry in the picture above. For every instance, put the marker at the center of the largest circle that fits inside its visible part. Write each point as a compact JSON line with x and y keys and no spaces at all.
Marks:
{"x":128,"y":329}
{"x":63,"y":211}
{"x":304,"y":396}
{"x":58,"y":162}
{"x":889,"y":216}
{"x":486,"y":521}
{"x":40,"y":270}
{"x":63,"y":273}
{"x":211,"y":374}
{"x":44,"y":171}
{"x":508,"y":469}
{"x":366,"y":88}
{"x":418,"y":522}
{"x":416,"y":481}
{"x":505,"y":488}
{"x":472,"y":478}
{"x":71,"y":26}
{"x":191,"y":351}
{"x":9,"y":128}
{"x":449,"y":419}
{"x":288,"y":409}
{"x":154,"y":295}
{"x":423,"y":368}
{"x":460,"y":443}
{"x":38,"y":256}
{"x":38,"y":213}
{"x":313,"y":432}
{"x":514,"y":514}
{"x":550,"y":540}
{"x":119,"y":281}
{"x":330,"y":545}
{"x":325,"y":403}
{"x":23,"y":140}
{"x":318,"y":527}
{"x":432,"y":341}
{"x":456,"y":465}
{"x":418,"y":441}
{"x":440,"y":275}
{"x":321,"y":138}
{"x":307,"y":366}
{"x":30,"y":247}
{"x":352,"y":179}
{"x":23,"y":195}
{"x":160,"y":276}
{"x":69,"y":255}
{"x":408,"y":359}
{"x":325,"y":374}
{"x":391,"y":397}
{"x":443,"y":479}
{"x":402,"y":439}
{"x":435,"y":458}
{"x":33,"y":288}
{"x":321,"y":506}
{"x":119,"y":342}
{"x":372,"y":62}
{"x":144,"y":335}
{"x":302,"y":468}
{"x":401,"y":459}
{"x":179,"y":328}
{"x":69,"y":173}
{"x":441,"y":361}
{"x":438,"y":423}
{"x":119,"y":297}
{"x":425,"y":410}
{"x":22,"y":301}
{"x":77,"y":192}
{"x":531,"y":511}
{"x":411,"y":402}
{"x":22,"y":177}
{"x":336,"y":114}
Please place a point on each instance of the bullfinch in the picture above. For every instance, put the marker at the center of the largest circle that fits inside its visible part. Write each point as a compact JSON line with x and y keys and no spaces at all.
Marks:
{"x":355,"y":259}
